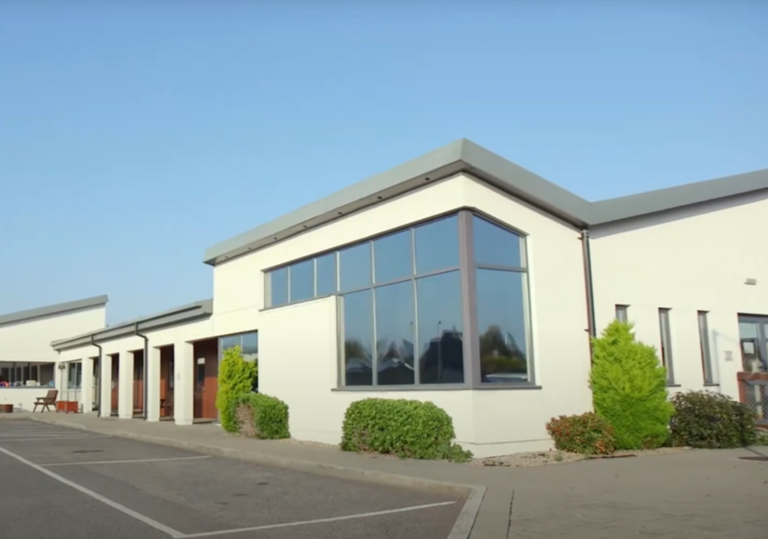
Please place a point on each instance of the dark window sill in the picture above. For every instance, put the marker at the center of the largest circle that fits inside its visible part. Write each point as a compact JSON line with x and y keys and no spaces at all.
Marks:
{"x":674,"y":385}
{"x":505,"y":387}
{"x":711,"y":384}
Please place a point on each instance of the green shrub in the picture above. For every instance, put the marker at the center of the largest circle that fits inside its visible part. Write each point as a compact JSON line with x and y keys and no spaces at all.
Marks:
{"x":708,"y":420}
{"x":587,"y":434}
{"x":629,"y":388}
{"x":236,"y":377}
{"x":406,"y":428}
{"x":261,"y":416}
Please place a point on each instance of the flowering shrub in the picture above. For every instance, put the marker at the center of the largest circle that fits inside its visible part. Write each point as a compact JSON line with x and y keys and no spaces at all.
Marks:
{"x":587,"y":434}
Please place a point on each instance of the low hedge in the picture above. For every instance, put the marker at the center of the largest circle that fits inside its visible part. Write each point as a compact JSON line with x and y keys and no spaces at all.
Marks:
{"x":261,"y":416}
{"x":708,"y":420}
{"x":587,"y":434}
{"x":406,"y":428}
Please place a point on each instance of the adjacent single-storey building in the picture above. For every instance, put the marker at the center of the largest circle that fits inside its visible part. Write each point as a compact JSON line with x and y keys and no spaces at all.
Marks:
{"x":463,"y":279}
{"x":27,"y":361}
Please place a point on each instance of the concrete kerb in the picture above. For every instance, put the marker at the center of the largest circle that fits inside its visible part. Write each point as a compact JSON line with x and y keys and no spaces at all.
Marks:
{"x":462,"y":529}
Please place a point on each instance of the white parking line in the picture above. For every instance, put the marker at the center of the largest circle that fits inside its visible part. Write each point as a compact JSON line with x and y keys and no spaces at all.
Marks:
{"x":80,"y":437}
{"x":96,"y":496}
{"x":134,"y":461}
{"x":318,"y":521}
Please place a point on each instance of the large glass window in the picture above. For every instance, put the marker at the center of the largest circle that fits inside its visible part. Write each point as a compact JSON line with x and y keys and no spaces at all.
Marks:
{"x":325,"y":267}
{"x":393,"y":256}
{"x":441,"y":329}
{"x":248,"y":343}
{"x":402,"y":315}
{"x":502,"y":303}
{"x":395,"y":334}
{"x":302,"y":281}
{"x":358,"y":338}
{"x":355,"y":267}
{"x":437,"y":245}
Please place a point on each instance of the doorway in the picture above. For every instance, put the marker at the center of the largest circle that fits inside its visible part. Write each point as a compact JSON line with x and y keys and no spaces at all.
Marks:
{"x":115,"y":384}
{"x":166,"y":381}
{"x":206,"y":379}
{"x":753,"y":336}
{"x":138,"y":383}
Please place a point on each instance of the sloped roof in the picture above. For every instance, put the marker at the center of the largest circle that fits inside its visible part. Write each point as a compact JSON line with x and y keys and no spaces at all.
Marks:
{"x":51,"y":310}
{"x":177,"y":315}
{"x":466,"y":156}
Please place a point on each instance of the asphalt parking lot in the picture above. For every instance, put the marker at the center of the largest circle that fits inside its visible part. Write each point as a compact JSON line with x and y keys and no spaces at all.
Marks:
{"x":58,"y":483}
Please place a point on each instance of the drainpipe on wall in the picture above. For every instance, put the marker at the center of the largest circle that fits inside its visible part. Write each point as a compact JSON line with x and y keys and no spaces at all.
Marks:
{"x":98,"y":380}
{"x":588,"y":290}
{"x":145,"y":371}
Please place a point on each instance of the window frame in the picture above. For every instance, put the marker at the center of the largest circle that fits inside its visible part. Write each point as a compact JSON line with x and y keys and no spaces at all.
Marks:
{"x":665,"y":340}
{"x":467,"y":268}
{"x":622,"y":313}
{"x":707,"y":366}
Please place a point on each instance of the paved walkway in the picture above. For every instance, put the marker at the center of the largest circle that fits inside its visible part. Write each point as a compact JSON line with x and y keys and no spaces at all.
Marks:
{"x":692,"y":494}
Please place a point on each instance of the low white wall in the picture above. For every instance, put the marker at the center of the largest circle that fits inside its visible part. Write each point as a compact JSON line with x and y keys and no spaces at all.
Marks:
{"x":298,"y":364}
{"x":22,"y":398}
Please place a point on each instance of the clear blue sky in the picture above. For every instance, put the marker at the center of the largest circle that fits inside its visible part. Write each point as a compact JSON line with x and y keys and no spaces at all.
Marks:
{"x":133,"y":135}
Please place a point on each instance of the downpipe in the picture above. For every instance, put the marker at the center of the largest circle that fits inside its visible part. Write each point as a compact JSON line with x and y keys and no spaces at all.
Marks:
{"x":588,"y":288}
{"x":99,"y":381}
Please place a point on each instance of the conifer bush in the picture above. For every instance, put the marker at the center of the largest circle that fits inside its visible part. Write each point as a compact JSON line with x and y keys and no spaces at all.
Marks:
{"x":629,"y":388}
{"x":236,"y":377}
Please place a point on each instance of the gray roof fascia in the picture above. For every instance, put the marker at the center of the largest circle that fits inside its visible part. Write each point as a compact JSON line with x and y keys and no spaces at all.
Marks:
{"x":183,"y":314}
{"x":52,"y":310}
{"x":670,"y":198}
{"x":524,"y":184}
{"x":466,"y":156}
{"x":459,"y":156}
{"x":434,"y":165}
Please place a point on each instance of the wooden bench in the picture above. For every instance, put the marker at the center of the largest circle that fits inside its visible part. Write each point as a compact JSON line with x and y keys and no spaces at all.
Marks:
{"x":46,"y":402}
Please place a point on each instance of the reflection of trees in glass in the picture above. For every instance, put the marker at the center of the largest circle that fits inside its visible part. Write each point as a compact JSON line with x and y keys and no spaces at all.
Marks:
{"x":359,"y":363}
{"x":442,"y":362}
{"x":395,"y":362}
{"x":500,"y":354}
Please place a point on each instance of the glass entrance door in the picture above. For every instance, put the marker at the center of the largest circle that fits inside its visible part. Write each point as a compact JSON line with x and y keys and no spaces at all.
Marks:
{"x":753,"y":334}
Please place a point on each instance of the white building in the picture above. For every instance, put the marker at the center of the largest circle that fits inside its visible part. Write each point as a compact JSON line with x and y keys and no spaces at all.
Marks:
{"x":27,"y":361}
{"x":461,"y":278}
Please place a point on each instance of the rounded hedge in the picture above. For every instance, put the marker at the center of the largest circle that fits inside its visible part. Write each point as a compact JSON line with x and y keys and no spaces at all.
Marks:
{"x":708,"y":420}
{"x":261,"y":416}
{"x":586,"y":434}
{"x":406,"y":428}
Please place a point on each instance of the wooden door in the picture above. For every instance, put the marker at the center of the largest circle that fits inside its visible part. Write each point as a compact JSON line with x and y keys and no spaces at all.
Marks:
{"x":210,"y":387}
{"x":138,"y":383}
{"x":115,"y":384}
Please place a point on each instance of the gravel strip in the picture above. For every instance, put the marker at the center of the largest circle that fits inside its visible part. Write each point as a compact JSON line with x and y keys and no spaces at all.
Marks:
{"x":546,"y":458}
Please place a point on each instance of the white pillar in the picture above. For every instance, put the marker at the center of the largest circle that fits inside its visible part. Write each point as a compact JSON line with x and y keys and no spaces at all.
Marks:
{"x":125,"y":391}
{"x":183,"y":384}
{"x":105,"y":365}
{"x":86,"y":386}
{"x":152,"y":366}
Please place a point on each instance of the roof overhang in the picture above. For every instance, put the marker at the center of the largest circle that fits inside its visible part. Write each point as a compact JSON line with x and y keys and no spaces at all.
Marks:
{"x":53,"y":310}
{"x":184,"y":314}
{"x":466,"y":156}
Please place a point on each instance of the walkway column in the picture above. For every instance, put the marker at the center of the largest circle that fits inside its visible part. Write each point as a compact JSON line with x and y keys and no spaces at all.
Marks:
{"x":105,"y":406}
{"x":152,"y":366}
{"x":183,"y":385}
{"x":86,"y":386}
{"x":125,"y":391}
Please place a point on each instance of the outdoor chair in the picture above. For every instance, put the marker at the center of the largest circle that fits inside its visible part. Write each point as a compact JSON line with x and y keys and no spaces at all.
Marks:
{"x":46,"y":402}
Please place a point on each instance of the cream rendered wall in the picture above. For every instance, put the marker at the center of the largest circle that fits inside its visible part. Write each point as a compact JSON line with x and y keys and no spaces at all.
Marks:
{"x":173,"y":335}
{"x":488,"y":422}
{"x":690,"y":260}
{"x":31,"y":340}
